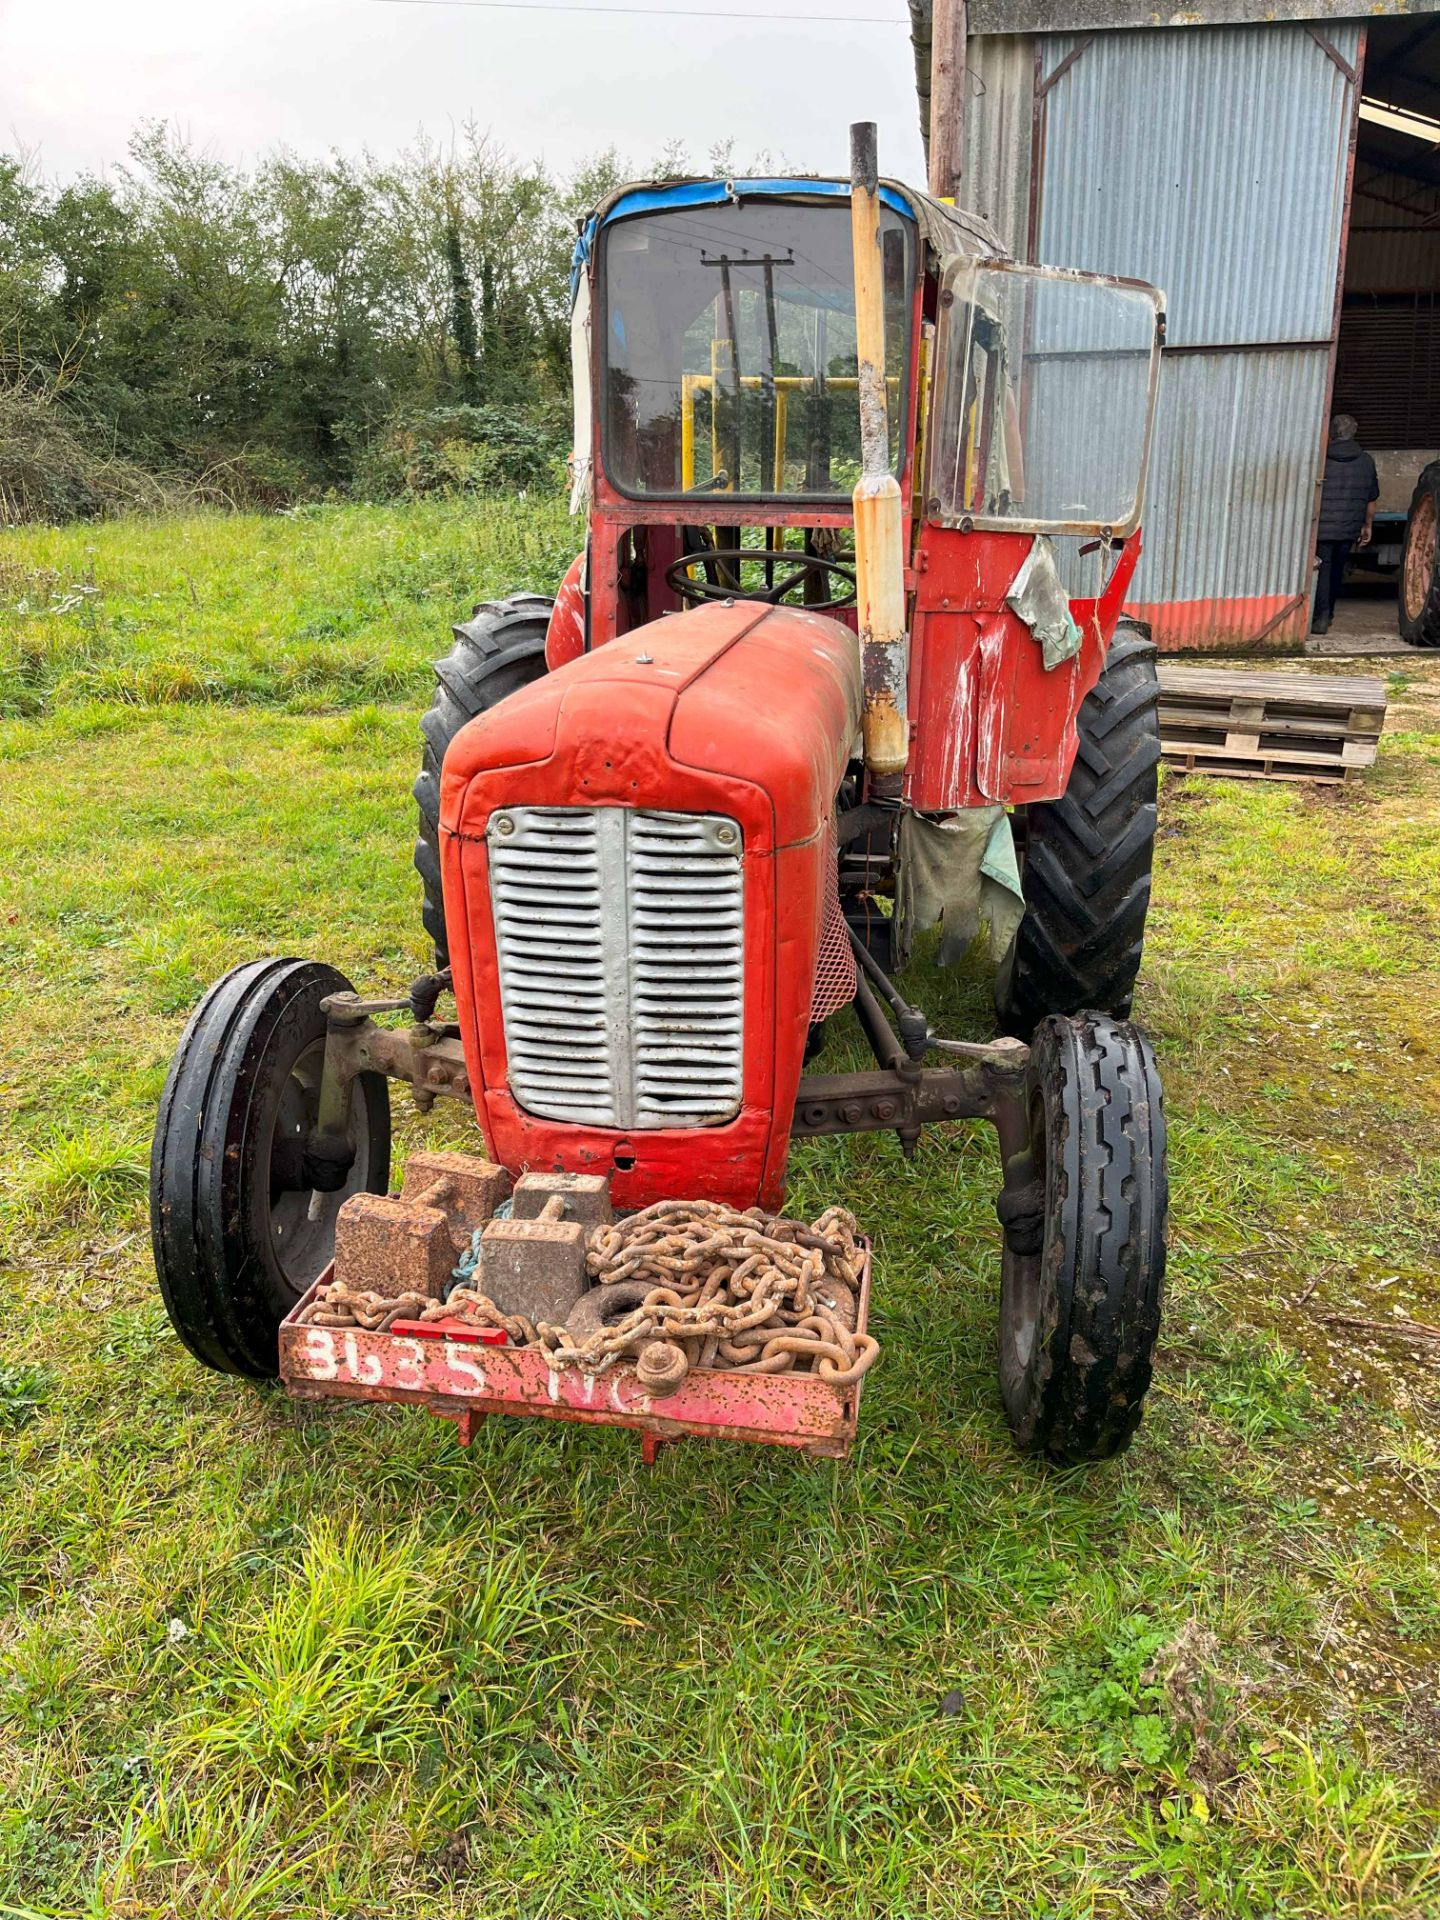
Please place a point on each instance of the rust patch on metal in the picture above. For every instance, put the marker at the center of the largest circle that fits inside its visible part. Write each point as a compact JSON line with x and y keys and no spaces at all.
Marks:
{"x":874,"y":411}
{"x":533,"y":1267}
{"x":584,"y":1197}
{"x":889,"y":1098}
{"x":465,"y":1188}
{"x":408,"y":1243}
{"x":884,"y":642}
{"x":392,"y":1246}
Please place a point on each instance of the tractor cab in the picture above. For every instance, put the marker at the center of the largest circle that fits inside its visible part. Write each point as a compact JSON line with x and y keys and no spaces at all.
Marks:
{"x":717,"y":403}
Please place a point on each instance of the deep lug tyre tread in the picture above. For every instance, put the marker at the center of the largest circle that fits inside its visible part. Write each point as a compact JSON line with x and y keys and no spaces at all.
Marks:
{"x":1078,"y":1393}
{"x":500,"y":649}
{"x":1088,"y":855}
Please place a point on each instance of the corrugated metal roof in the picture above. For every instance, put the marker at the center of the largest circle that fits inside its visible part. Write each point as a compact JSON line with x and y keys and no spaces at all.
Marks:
{"x":1036,"y":16}
{"x":1210,"y":163}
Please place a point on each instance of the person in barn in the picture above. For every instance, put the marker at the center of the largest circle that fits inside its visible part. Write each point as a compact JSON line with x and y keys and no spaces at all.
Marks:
{"x":1347,"y":513}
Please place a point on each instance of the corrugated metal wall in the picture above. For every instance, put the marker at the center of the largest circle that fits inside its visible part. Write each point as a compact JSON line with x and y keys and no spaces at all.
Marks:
{"x":1213,"y":163}
{"x":999,"y":130}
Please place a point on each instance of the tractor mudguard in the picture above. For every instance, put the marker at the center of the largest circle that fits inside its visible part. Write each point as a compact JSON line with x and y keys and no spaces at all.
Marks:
{"x":565,"y":637}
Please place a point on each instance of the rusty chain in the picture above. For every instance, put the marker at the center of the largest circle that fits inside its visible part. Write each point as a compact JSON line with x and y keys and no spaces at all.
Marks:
{"x":339,"y":1305}
{"x":695,"y":1284}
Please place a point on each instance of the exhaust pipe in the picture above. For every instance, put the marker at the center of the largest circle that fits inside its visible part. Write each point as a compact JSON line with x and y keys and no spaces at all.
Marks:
{"x":879,"y":528}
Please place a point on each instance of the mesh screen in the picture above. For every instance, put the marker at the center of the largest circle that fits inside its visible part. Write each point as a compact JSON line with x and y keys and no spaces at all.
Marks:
{"x":834,"y":959}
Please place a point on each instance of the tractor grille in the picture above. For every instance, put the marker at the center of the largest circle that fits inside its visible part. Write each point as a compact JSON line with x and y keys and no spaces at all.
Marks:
{"x":620,"y":940}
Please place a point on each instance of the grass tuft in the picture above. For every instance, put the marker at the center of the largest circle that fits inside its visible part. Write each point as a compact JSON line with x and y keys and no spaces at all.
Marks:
{"x":86,"y":1169}
{"x":354,"y":1658}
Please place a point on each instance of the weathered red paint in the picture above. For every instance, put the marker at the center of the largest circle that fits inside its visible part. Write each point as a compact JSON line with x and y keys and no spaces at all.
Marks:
{"x":742,"y":709}
{"x":988,"y":721}
{"x":565,"y":636}
{"x":1252,"y":621}
{"x":464,"y":1380}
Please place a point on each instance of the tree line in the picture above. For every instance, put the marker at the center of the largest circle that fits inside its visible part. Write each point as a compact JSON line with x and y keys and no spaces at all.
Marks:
{"x":261,"y":334}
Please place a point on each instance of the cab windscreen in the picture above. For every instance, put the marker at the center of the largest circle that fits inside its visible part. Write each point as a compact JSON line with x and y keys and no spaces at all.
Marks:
{"x":730,"y":350}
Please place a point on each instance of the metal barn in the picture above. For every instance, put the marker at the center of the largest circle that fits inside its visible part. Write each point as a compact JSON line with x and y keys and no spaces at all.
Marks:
{"x":1225,"y":158}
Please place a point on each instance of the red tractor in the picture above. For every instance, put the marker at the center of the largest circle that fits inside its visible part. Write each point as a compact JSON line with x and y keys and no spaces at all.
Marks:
{"x":863,"y":501}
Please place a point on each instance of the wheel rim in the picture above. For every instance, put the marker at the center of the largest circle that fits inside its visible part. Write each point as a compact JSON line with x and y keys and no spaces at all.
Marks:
{"x":303,"y":1247}
{"x":1419,"y":566}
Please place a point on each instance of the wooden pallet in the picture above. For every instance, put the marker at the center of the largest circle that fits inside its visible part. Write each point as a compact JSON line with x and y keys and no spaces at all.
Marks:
{"x":1270,"y":726}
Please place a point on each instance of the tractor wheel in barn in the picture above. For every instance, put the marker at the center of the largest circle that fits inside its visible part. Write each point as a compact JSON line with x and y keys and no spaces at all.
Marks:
{"x":1086,"y":875}
{"x":500,"y":649}
{"x":1420,"y":565}
{"x":242,"y":1210}
{"x":1084,"y":1263}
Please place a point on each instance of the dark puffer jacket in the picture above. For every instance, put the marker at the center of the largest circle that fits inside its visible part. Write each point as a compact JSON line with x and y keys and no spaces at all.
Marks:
{"x":1349,"y":486}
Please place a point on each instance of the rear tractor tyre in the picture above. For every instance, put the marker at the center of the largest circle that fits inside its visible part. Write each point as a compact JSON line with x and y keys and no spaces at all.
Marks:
{"x":1084,"y":1214}
{"x":1420,"y":564}
{"x":1088,"y":855}
{"x":237,"y":1231}
{"x":500,"y":649}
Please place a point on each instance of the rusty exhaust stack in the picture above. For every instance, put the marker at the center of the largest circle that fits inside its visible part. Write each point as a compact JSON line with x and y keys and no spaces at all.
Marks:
{"x":879,"y":528}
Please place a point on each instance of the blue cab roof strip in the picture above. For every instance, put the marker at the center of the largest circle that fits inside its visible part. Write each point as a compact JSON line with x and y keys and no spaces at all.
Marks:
{"x":710,"y":193}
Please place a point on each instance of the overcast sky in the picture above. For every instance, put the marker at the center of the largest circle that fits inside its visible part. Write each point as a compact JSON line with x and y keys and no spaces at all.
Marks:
{"x":243,"y":75}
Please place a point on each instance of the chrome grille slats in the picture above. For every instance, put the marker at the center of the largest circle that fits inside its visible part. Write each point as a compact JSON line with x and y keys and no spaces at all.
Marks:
{"x":687,"y":971}
{"x":620,"y":941}
{"x":545,"y":889}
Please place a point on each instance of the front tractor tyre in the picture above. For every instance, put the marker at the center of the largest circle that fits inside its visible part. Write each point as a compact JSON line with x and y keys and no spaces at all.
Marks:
{"x":1084,"y":1210}
{"x":1420,"y":564}
{"x":500,"y":649}
{"x":239,"y":1231}
{"x":1088,"y":855}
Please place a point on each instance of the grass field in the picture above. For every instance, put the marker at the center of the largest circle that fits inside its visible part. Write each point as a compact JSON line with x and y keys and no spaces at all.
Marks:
{"x":257,"y":1660}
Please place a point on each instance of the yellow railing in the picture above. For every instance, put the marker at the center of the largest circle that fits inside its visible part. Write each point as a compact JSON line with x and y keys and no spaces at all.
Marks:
{"x":784,"y":385}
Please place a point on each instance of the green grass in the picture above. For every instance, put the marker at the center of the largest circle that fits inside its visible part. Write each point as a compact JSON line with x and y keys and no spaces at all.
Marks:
{"x":320,"y":608}
{"x":263,"y":1660}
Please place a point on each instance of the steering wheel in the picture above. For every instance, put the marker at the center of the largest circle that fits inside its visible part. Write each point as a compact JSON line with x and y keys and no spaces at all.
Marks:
{"x":789,"y":572}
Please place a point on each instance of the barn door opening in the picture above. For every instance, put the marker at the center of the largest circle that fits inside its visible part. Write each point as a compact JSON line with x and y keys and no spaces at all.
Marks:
{"x":1387,"y":361}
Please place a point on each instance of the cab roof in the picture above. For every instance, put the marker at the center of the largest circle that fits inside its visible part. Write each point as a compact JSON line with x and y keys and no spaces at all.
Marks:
{"x":948,"y":230}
